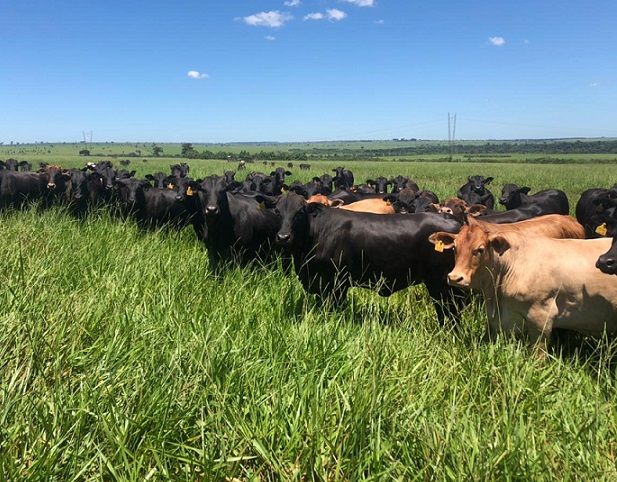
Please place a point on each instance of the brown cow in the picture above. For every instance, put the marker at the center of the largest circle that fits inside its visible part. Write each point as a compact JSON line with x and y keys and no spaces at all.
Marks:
{"x":532,"y":284}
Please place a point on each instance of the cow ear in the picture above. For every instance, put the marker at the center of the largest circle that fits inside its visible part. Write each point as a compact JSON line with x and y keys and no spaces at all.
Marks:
{"x":287,"y":173}
{"x":233,"y":185}
{"x":337,"y":203}
{"x":442,"y":240}
{"x":475,"y":210}
{"x":499,"y":243}
{"x":433,"y":208}
{"x":370,"y":181}
{"x":314,"y":208}
{"x":524,"y":190}
{"x":488,"y":180}
{"x":149,"y":177}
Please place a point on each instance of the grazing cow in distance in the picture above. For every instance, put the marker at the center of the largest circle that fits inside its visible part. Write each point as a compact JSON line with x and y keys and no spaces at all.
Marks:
{"x":513,"y":197}
{"x":305,"y":167}
{"x":333,"y":249}
{"x":476,"y":192}
{"x":533,"y":284}
{"x":343,"y":178}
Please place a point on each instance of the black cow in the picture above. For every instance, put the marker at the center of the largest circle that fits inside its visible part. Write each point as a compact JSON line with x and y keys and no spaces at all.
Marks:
{"x":234,"y":227}
{"x":18,"y":188}
{"x":152,"y":208}
{"x":160,"y":180}
{"x":14,"y":165}
{"x":343,"y":178}
{"x":333,"y":249}
{"x":513,"y":197}
{"x":476,"y":192}
{"x":78,"y":192}
{"x":179,"y":170}
{"x":278,"y":177}
{"x":379,"y":184}
{"x":595,"y":210}
{"x":305,"y":167}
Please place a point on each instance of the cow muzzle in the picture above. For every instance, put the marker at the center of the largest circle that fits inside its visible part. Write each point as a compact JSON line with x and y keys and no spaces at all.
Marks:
{"x":283,"y":238}
{"x":212,"y":210}
{"x":607,"y":264}
{"x":51,"y":185}
{"x":458,"y":279}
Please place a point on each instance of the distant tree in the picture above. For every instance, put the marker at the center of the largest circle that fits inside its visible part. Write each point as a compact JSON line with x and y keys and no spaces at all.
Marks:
{"x":157,"y":151}
{"x":84,"y":152}
{"x":187,"y":149}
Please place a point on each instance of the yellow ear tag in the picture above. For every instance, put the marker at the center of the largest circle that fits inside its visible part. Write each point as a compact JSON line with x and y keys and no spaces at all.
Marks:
{"x":170,"y":186}
{"x":261,"y":206}
{"x":189,"y":191}
{"x":439,"y":246}
{"x":388,"y":203}
{"x":283,"y":190}
{"x":601,"y":230}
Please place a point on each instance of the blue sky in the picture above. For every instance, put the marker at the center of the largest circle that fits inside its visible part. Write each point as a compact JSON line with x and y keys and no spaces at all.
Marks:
{"x":309,"y":70}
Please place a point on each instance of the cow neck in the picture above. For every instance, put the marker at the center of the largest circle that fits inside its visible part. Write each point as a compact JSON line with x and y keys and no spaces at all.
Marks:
{"x":498,"y":275}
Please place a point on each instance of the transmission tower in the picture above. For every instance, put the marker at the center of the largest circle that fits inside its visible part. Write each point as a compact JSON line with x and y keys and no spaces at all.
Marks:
{"x":87,"y":138}
{"x":451,"y":134}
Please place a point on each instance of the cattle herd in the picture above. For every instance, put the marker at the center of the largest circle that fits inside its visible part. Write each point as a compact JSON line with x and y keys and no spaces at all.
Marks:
{"x":537,"y":267}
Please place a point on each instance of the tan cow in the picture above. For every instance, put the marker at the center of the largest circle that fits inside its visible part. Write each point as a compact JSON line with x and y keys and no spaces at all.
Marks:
{"x":532,"y":284}
{"x":375,"y":206}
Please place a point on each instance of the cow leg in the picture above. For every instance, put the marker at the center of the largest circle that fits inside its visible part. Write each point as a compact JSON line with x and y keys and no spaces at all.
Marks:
{"x":447,"y":301}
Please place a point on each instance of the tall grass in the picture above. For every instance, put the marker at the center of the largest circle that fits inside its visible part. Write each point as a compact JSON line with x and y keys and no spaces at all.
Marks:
{"x":123,"y":358}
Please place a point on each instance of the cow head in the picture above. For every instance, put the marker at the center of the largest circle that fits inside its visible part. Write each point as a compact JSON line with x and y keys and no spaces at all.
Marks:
{"x":160,"y":180}
{"x":511,"y":195}
{"x":293,"y":210}
{"x":607,"y":263}
{"x":131,"y":191}
{"x":79,"y":183}
{"x":477,"y":183}
{"x":474,"y":247}
{"x":212,"y":195}
{"x":379,"y":185}
{"x":56,"y":176}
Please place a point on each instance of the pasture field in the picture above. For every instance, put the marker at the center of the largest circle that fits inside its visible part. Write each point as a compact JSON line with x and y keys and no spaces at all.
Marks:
{"x":123,"y":358}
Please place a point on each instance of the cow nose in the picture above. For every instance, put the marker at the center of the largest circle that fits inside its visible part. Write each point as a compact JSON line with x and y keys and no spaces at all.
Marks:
{"x":455,"y":279}
{"x":178,"y":197}
{"x":78,"y":196}
{"x":212,"y":210}
{"x":283,"y":237}
{"x":608,"y":262}
{"x":51,"y":185}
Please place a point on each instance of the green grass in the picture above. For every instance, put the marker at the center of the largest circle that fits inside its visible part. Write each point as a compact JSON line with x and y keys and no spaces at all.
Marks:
{"x":123,"y":358}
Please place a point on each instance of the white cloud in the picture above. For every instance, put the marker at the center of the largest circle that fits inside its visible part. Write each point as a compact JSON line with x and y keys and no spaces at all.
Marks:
{"x":332,"y":14}
{"x":194,"y":74}
{"x":380,"y":21}
{"x":314,"y":16}
{"x":270,"y":37}
{"x":335,"y":14}
{"x":292,"y":3}
{"x":497,"y":41}
{"x":267,"y":19}
{"x":361,"y":3}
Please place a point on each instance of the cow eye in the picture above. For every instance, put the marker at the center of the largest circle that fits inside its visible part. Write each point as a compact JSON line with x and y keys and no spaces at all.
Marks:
{"x":479,"y":251}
